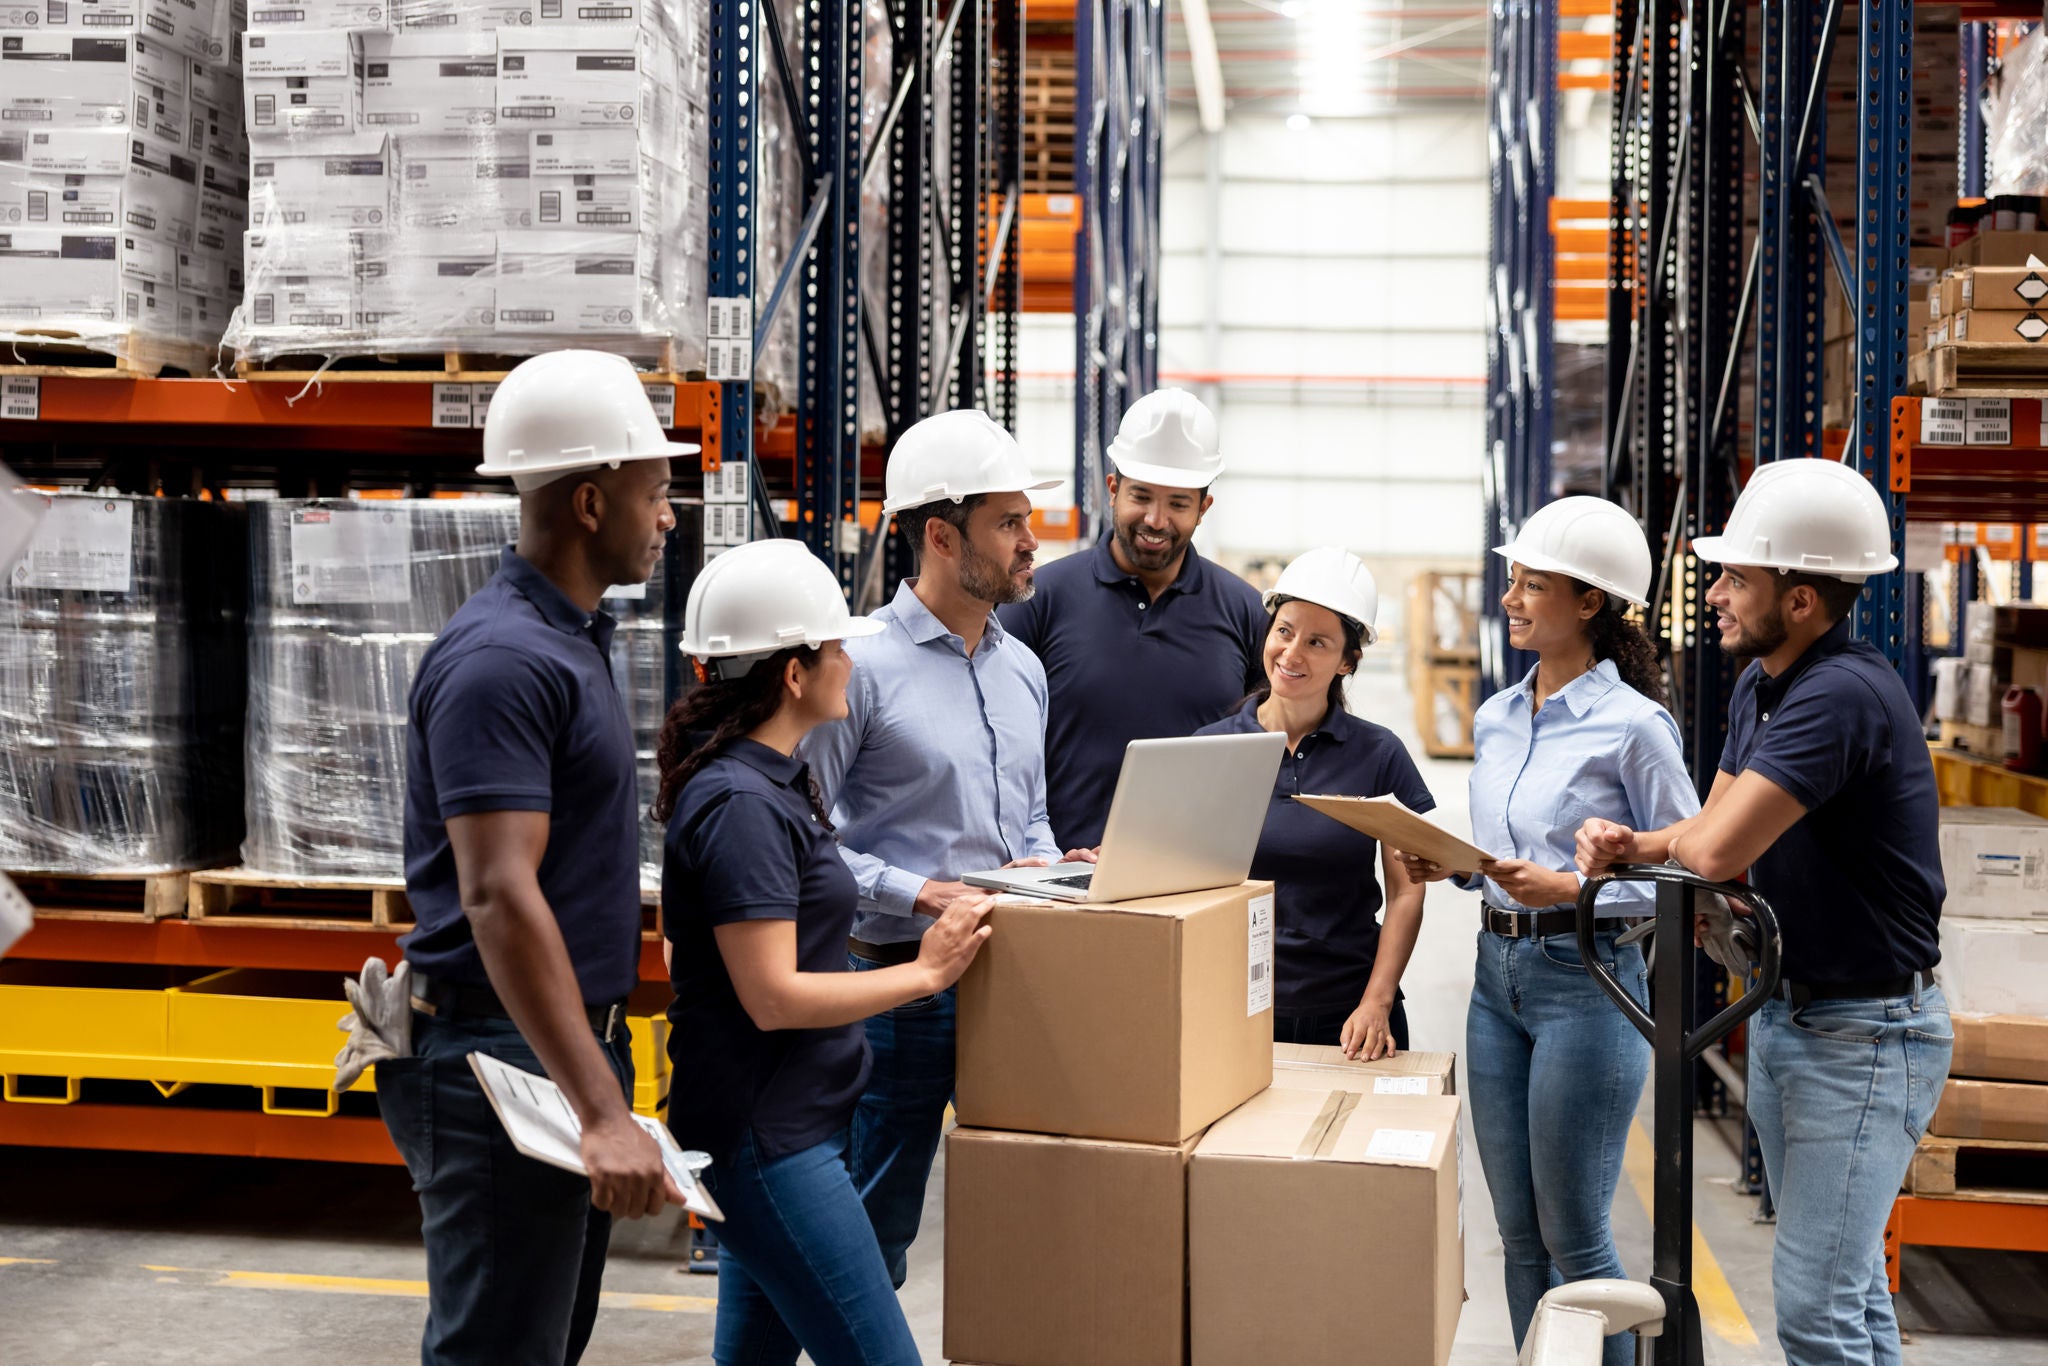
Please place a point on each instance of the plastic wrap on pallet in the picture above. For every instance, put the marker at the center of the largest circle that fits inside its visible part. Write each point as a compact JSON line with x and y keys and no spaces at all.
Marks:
{"x":1578,"y":446}
{"x":504,"y":178}
{"x":647,"y":665}
{"x":345,"y":597}
{"x":876,"y":92}
{"x":2016,"y":122}
{"x":121,"y":687}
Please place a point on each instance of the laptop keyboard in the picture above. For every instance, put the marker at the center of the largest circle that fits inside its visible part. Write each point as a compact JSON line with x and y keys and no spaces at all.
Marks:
{"x":1078,"y":882}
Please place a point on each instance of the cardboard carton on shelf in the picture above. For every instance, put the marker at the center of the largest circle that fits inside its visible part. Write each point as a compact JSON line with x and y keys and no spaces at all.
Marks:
{"x":2009,"y":1111}
{"x":1994,"y":967}
{"x":1065,"y":1251}
{"x":2022,"y":287}
{"x":2000,"y":1048}
{"x":1323,"y":1221}
{"x":2000,"y":249}
{"x":1999,"y":325}
{"x":1143,"y":1021}
{"x":1312,"y":1066}
{"x":1995,"y":862}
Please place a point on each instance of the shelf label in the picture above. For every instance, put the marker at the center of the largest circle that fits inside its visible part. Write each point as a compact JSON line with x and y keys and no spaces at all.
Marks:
{"x":662,"y":394}
{"x":21,"y":398}
{"x":480,"y":402}
{"x":730,"y":318}
{"x":727,"y":483}
{"x":1943,"y":422}
{"x":1987,"y":422}
{"x":351,"y":554}
{"x":451,"y":405}
{"x":86,"y":545}
{"x":728,"y":359}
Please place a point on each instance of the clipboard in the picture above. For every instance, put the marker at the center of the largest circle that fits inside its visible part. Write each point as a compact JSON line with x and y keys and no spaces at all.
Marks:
{"x":1391,"y":823}
{"x":538,"y":1120}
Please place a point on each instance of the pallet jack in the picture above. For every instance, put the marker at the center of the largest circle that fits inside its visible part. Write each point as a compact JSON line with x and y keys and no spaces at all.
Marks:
{"x":1572,"y":1320}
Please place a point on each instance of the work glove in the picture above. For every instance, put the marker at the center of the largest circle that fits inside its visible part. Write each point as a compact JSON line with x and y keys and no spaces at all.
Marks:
{"x":380,"y":1026}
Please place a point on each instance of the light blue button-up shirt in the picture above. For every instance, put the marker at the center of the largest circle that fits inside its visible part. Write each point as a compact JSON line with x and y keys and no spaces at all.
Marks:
{"x":1598,"y":748}
{"x":938,"y":768}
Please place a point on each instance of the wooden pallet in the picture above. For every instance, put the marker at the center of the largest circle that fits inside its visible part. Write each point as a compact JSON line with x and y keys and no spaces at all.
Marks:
{"x":1446,"y":696}
{"x":1979,"y":1169}
{"x":248,"y":897}
{"x":1987,"y":370}
{"x":1986,"y":742}
{"x":53,"y":353}
{"x":144,"y":897}
{"x":658,"y":356}
{"x":1916,"y":373}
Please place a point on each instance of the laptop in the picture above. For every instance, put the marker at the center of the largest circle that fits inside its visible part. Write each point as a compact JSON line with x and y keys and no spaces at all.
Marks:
{"x":1186,"y":818}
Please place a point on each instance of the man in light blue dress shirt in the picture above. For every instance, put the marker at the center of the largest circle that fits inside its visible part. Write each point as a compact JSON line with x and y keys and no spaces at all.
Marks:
{"x":938,"y":770}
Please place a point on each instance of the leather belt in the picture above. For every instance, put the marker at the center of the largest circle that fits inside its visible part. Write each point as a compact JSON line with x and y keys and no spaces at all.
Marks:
{"x":459,"y":1000}
{"x":1527,"y":924}
{"x":1803,"y":994}
{"x":883,"y":955}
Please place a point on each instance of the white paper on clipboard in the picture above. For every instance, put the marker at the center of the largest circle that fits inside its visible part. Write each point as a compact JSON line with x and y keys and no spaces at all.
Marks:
{"x":1391,"y":823}
{"x":538,"y":1120}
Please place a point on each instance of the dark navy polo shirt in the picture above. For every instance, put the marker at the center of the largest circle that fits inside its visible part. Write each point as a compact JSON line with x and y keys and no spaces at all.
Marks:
{"x":1120,"y":667}
{"x":1857,"y":881}
{"x":1325,"y":875}
{"x":744,"y":843}
{"x":514,"y":709}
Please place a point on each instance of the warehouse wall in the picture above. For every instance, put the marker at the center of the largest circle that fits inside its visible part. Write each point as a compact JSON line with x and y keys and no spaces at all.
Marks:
{"x":1333,"y":279}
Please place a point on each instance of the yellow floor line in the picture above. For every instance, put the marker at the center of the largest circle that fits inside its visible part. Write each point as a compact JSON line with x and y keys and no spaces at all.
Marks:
{"x":1720,"y":1312}
{"x":26,"y":1261}
{"x":367,"y":1285}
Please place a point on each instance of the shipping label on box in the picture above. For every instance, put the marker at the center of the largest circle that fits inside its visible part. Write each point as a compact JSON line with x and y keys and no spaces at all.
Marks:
{"x":338,"y":183}
{"x":477,"y":183}
{"x":430,"y":82}
{"x":343,"y":554}
{"x":161,"y":196}
{"x":572,"y":282}
{"x":356,"y":16}
{"x":81,"y":545}
{"x":1320,"y":1067}
{"x":1995,"y":862}
{"x":571,"y":77}
{"x":473,"y":16}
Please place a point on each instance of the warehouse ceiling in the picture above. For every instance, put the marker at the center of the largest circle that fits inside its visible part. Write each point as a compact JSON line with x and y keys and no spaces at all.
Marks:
{"x":1336,"y":58}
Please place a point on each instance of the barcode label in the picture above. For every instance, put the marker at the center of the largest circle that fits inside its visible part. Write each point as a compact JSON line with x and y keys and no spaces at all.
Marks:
{"x":1259,"y":954}
{"x":730,"y":359}
{"x":21,"y":398}
{"x":662,"y":394}
{"x":730,"y":318}
{"x":452,"y":403}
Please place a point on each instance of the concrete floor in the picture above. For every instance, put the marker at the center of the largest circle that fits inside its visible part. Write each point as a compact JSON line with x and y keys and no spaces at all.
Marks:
{"x":126,"y":1258}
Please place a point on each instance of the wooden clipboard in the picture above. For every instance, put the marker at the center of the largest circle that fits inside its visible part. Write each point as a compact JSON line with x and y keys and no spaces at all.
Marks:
{"x":1392,"y":824}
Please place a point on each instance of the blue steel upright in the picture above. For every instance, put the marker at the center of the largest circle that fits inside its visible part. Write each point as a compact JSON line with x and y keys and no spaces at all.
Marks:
{"x":735,"y":149}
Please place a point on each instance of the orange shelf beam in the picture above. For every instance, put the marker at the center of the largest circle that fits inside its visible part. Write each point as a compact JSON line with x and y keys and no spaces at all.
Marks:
{"x":216,"y":1133}
{"x":1918,"y":1221}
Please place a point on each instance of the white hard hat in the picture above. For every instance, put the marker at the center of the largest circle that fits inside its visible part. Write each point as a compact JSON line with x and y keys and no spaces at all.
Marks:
{"x":1810,"y":515}
{"x":1591,"y":539}
{"x":762,"y":597}
{"x":571,"y":410}
{"x":1167,"y":438}
{"x":955,"y":456}
{"x":1332,"y":578}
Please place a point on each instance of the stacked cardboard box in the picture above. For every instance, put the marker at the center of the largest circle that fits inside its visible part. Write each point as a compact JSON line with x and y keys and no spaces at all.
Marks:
{"x":123,"y":180}
{"x":2003,"y":648}
{"x":1090,"y":1202}
{"x":1998,"y":1081}
{"x":487,"y":175}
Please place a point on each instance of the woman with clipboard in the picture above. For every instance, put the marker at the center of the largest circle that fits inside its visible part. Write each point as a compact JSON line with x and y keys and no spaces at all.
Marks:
{"x":1336,"y":969}
{"x":1554,"y":1070}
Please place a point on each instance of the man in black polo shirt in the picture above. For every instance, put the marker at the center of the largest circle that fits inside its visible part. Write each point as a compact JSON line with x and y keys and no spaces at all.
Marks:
{"x":1826,"y":797}
{"x":1140,"y":637}
{"x":522,"y":864}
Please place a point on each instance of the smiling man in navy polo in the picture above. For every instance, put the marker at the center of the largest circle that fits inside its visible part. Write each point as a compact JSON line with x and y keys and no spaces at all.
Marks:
{"x":1140,"y":637}
{"x":1826,"y":797}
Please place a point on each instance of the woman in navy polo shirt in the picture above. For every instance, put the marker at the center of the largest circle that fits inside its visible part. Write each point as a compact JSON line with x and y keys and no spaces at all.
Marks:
{"x":1554,"y":1070}
{"x":766,"y":1041}
{"x":1336,"y":970}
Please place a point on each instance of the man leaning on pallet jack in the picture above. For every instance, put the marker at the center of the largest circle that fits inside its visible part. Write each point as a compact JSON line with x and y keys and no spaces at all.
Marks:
{"x":522,"y":862}
{"x":1826,"y":796}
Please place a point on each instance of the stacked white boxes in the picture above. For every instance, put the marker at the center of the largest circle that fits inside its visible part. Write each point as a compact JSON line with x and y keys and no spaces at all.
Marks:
{"x":484,"y":175}
{"x":123,"y":182}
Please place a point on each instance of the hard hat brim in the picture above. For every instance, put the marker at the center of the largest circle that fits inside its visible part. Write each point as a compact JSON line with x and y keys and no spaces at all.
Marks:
{"x":1545,"y":564}
{"x":1271,"y":601}
{"x":564,"y":465}
{"x":855,"y":629}
{"x":1162,"y":476}
{"x":1717,"y":550}
{"x":892,"y":506}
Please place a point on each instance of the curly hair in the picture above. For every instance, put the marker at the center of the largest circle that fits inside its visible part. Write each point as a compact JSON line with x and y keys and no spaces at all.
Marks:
{"x":1615,"y":637}
{"x":729,"y":709}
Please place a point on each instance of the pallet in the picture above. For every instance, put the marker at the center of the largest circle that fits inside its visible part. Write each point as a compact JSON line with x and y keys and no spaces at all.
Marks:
{"x":1979,"y":1169}
{"x":1987,"y":370}
{"x":52,"y":353}
{"x":140,"y":897}
{"x":1446,"y":696}
{"x":247,"y":897}
{"x":1916,"y":373}
{"x":1985,"y":742}
{"x":658,"y":356}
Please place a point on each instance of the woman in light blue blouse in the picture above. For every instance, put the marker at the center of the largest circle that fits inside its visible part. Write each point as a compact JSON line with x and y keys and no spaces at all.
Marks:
{"x":1555,"y":1070}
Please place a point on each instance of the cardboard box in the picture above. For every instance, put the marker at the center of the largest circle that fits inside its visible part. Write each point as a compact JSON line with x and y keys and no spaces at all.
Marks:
{"x":479,"y":183}
{"x":2003,"y":288}
{"x":354,"y":16}
{"x":67,"y":151}
{"x":301,"y":82}
{"x":45,"y":199}
{"x":1995,"y":861}
{"x":2000,"y":249}
{"x":223,"y":219}
{"x":590,"y":180}
{"x":1326,"y":1228}
{"x":63,"y":278}
{"x":218,"y":132}
{"x":190,"y":27}
{"x":300,"y":280}
{"x":160,"y":194}
{"x":71,"y":80}
{"x":430,"y":82}
{"x":1988,"y":325}
{"x":334,"y":183}
{"x":572,"y":77}
{"x":1994,"y":967}
{"x":582,"y":283}
{"x":478,"y":16}
{"x":98,"y":16}
{"x":1143,"y":1020}
{"x":428,"y":284}
{"x":1320,"y":1067}
{"x":2000,"y":1048}
{"x":2013,"y":1111}
{"x":1065,"y":1251}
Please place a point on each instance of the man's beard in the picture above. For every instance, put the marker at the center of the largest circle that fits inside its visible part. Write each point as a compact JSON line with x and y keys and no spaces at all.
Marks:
{"x":1127,"y":538}
{"x":1763,"y":639}
{"x":981,"y":577}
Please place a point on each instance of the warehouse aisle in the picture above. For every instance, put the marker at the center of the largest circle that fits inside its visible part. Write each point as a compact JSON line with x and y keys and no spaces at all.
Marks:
{"x":118,"y":1258}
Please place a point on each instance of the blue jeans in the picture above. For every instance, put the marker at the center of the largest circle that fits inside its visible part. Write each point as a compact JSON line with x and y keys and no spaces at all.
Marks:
{"x":1555,"y":1072}
{"x":1840,"y":1093}
{"x":515,"y":1250}
{"x":798,"y":1266}
{"x":896,"y":1126}
{"x":1328,"y":1028}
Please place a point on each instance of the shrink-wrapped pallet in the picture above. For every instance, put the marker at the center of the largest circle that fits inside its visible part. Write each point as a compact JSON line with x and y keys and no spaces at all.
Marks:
{"x":647,"y":664}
